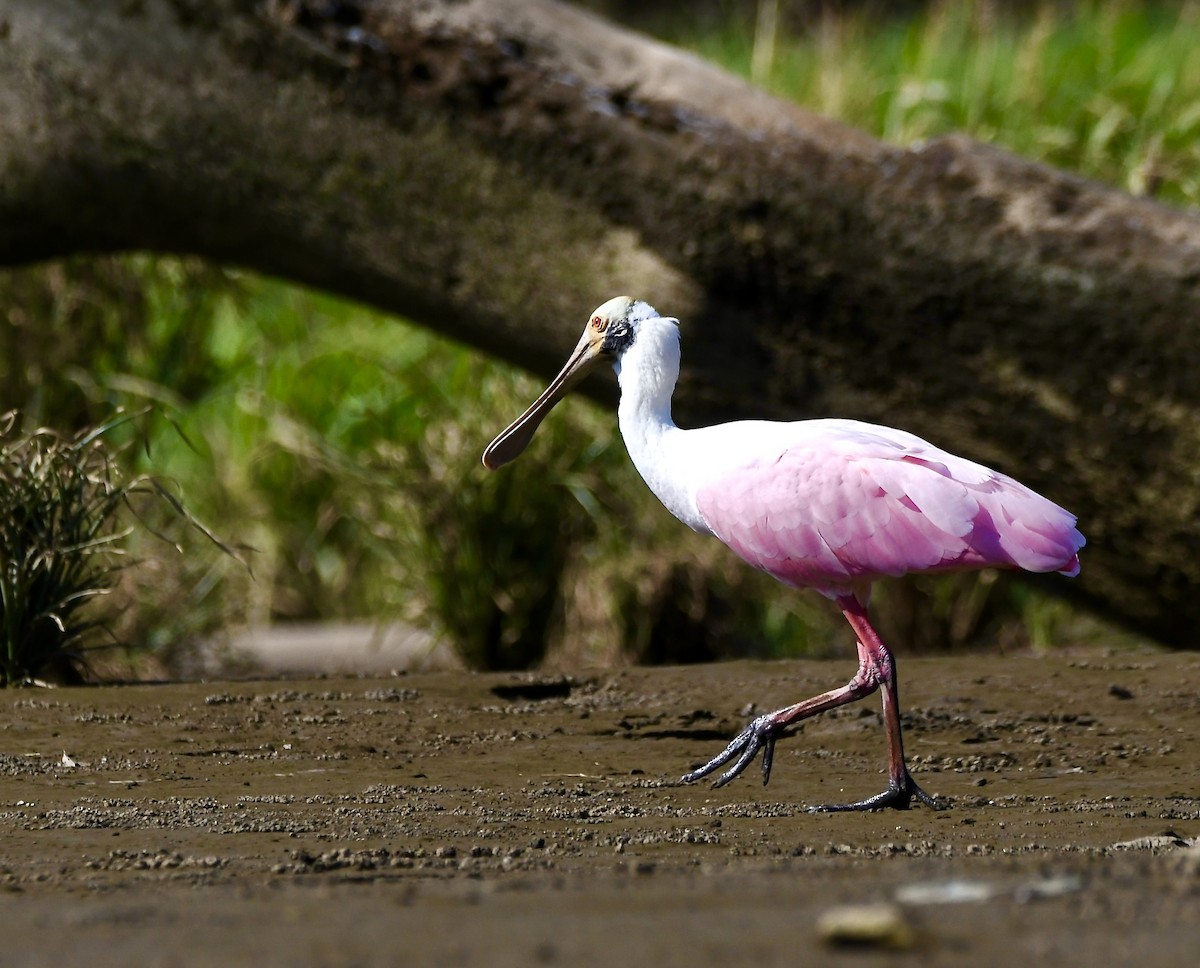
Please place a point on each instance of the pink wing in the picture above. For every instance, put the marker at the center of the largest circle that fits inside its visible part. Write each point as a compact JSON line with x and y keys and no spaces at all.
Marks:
{"x":863,"y":505}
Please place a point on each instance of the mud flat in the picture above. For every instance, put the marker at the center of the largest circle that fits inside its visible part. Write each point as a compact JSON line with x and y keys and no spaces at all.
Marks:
{"x":492,"y":820}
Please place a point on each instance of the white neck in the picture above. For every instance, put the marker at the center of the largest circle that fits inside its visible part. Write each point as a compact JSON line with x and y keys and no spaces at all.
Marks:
{"x":647,"y":372}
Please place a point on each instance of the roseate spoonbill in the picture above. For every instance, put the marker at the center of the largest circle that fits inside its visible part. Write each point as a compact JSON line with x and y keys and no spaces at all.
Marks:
{"x":823,"y":504}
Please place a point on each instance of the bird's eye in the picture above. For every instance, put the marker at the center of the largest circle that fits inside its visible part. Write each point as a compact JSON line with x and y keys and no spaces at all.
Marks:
{"x":597,"y":323}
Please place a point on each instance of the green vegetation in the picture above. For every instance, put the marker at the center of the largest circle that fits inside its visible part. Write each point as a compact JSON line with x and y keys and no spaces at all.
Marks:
{"x":343,"y":446}
{"x":61,"y":544}
{"x":1108,"y":88}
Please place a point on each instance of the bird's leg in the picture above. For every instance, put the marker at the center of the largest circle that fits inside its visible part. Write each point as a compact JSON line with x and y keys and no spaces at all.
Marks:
{"x":765,"y":729}
{"x":877,"y":659}
{"x":876,"y":668}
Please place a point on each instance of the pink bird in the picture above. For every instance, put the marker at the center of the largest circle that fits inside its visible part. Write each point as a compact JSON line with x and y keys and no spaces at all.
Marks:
{"x":825,"y":504}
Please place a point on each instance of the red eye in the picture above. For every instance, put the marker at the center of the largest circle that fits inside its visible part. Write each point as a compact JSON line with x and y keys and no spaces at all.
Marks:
{"x":597,"y":322}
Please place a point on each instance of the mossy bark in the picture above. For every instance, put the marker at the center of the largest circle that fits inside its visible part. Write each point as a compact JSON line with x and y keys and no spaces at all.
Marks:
{"x":495,"y":169}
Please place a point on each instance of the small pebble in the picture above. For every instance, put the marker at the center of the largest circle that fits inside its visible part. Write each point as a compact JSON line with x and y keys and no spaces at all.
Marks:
{"x":1048,"y":887}
{"x":946,"y":892}
{"x":866,"y":925}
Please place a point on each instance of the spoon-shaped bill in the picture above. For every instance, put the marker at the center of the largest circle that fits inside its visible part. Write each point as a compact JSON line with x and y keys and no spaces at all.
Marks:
{"x":517,"y":435}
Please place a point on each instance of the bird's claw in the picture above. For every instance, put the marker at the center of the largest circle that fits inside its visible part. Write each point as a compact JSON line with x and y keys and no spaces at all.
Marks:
{"x":898,"y":796}
{"x":759,"y":735}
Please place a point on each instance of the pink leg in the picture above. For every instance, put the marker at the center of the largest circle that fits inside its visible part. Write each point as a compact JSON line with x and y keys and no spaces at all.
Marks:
{"x":876,"y":668}
{"x":876,"y":657}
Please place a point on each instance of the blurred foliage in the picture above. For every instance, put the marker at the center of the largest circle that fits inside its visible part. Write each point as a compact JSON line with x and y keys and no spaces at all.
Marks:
{"x":343,"y":446}
{"x":79,"y":336}
{"x":1107,"y":88}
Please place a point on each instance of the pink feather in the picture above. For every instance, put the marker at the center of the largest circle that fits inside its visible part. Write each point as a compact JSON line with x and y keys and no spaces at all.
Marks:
{"x":857,"y":506}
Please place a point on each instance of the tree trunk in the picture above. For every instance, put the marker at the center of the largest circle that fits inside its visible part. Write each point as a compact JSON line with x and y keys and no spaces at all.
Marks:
{"x":495,"y":168}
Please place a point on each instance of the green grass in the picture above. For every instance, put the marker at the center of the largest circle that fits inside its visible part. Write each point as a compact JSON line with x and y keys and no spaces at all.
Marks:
{"x":343,"y":446}
{"x":1107,"y":89}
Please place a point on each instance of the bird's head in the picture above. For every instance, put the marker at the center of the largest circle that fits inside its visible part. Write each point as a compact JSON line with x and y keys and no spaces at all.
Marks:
{"x":611,"y":330}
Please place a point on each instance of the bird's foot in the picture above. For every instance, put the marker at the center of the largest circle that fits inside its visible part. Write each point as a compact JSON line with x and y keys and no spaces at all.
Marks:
{"x":898,"y":796}
{"x":759,"y":735}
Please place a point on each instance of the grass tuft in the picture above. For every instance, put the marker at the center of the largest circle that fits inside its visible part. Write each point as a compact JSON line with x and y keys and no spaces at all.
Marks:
{"x":62,"y":543}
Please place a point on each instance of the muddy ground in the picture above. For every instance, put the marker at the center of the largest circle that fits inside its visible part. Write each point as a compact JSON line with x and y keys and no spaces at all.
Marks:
{"x":492,"y":820}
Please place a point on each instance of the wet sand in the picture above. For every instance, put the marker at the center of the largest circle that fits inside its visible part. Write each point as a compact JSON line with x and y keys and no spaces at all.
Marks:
{"x":459,"y":819}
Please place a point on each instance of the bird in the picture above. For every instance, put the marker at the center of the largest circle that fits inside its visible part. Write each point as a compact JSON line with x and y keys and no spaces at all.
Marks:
{"x":827,"y":504}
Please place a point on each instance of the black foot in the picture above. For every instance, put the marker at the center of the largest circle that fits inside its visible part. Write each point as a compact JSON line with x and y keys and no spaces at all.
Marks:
{"x":898,"y":796}
{"x":759,"y":735}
